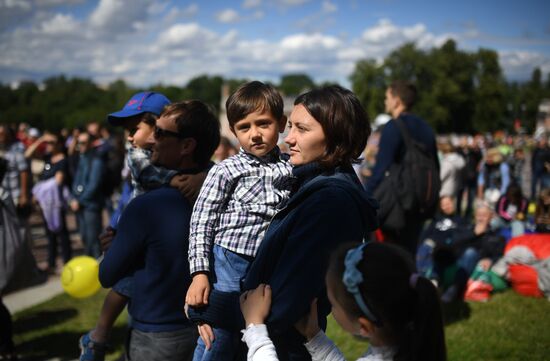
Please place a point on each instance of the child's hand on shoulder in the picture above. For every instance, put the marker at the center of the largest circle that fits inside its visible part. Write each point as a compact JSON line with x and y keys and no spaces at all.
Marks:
{"x":188,"y":184}
{"x":255,"y":304}
{"x":198,"y":292}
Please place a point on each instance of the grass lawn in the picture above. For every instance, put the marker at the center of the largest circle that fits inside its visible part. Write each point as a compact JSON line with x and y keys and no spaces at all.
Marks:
{"x":508,"y":327}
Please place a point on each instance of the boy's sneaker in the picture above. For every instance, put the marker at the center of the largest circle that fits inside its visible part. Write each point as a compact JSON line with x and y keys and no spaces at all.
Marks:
{"x":91,"y":350}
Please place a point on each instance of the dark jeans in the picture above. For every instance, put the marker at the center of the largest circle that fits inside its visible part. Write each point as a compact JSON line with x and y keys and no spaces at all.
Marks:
{"x":162,"y":346}
{"x":471,"y":193}
{"x":89,"y":225}
{"x":6,"y":329}
{"x":63,"y":237}
{"x":407,"y":237}
{"x":543,"y":179}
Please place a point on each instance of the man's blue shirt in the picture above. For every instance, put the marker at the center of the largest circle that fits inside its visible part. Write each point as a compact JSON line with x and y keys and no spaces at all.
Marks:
{"x":151,"y":243}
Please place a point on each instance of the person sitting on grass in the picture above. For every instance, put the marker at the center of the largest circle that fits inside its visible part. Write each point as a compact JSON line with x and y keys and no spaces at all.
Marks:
{"x":374,"y":294}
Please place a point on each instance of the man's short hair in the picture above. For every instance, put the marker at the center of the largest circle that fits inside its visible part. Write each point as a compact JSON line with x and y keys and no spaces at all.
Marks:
{"x":344,"y":120}
{"x":196,"y":120}
{"x":405,"y":91}
{"x":251,"y":97}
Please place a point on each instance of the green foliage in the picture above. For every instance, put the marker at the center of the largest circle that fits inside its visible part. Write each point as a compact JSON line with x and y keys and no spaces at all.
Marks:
{"x":295,"y":84}
{"x":458,"y":91}
{"x":508,"y":327}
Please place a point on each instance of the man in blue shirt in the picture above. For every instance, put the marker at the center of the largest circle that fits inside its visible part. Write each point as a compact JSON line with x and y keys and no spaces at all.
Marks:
{"x":152,"y":238}
{"x":400,"y":98}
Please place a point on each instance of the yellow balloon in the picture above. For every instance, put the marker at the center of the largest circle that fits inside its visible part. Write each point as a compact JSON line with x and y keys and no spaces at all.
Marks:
{"x":532,"y":208}
{"x":80,"y":277}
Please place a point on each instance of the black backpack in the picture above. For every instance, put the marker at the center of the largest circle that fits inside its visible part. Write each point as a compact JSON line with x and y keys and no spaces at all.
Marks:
{"x":418,"y":178}
{"x":410,"y":187}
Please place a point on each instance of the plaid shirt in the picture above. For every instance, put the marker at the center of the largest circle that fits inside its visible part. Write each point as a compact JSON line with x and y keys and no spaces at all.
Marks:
{"x":237,"y":201}
{"x":145,"y":176}
{"x":15,"y":155}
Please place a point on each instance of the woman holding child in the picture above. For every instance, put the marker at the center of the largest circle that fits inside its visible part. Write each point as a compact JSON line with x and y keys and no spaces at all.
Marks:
{"x":328,"y":131}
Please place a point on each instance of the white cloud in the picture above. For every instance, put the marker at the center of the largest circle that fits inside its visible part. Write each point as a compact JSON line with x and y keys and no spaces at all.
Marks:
{"x":258,"y":15}
{"x":248,"y":4}
{"x":176,"y":13}
{"x":60,"y":24}
{"x":329,"y":7}
{"x":159,"y":43}
{"x":228,"y":16}
{"x":119,"y":16}
{"x":519,"y":64}
{"x":292,"y":2}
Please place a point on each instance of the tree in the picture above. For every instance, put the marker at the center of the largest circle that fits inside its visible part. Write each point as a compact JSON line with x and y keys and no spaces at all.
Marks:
{"x":295,"y":84}
{"x":490,"y":97}
{"x":452,"y":89}
{"x":368,"y":83}
{"x":532,"y":96}
{"x":206,"y":88}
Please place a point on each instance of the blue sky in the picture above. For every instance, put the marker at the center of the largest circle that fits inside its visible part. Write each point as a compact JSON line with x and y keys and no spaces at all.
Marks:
{"x":161,"y":41}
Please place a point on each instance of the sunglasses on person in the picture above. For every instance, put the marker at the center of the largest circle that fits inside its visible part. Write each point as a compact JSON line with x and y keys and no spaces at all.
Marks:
{"x":160,"y":133}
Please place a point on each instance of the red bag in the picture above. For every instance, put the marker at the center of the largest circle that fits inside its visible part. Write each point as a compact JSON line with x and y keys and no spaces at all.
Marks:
{"x":524,"y":280}
{"x":478,"y":290}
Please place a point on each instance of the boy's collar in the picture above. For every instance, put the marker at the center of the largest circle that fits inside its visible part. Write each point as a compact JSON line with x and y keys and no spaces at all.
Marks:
{"x":273,"y":156}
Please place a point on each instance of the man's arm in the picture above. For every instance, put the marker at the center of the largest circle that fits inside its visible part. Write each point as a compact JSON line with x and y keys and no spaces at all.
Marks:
{"x":127,"y":247}
{"x":387,"y":151}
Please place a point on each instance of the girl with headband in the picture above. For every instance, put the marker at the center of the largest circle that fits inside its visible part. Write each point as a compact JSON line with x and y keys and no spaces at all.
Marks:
{"x":376,"y":295}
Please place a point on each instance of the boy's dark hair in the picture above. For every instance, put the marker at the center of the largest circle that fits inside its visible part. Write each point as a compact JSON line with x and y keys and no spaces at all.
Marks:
{"x":195,"y":119}
{"x":251,"y":97}
{"x":405,"y":91}
{"x":410,"y":315}
{"x":149,"y":118}
{"x":344,"y":120}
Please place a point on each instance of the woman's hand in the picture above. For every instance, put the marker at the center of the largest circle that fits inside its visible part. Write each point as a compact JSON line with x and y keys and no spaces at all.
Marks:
{"x":255,"y":304}
{"x":308,"y":326}
{"x":207,"y":335}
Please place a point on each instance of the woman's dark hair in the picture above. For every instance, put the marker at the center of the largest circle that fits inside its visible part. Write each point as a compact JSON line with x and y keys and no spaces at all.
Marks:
{"x":410,"y":314}
{"x":514,"y":194}
{"x":344,"y":120}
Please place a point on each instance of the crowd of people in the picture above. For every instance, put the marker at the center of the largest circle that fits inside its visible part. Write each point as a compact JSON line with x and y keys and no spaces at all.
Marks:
{"x":241,"y":235}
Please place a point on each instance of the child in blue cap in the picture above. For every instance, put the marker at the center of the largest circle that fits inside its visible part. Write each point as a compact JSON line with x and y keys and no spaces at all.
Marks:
{"x":138,"y":117}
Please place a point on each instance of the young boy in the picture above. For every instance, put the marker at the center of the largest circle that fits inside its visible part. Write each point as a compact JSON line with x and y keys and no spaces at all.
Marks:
{"x":138,"y":117}
{"x":236,"y":203}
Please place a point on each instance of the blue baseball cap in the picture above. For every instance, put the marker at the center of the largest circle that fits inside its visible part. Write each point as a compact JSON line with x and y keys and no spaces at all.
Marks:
{"x":144,"y":102}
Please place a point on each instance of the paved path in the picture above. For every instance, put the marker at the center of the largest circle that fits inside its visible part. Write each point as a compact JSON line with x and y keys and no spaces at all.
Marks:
{"x":34,"y":295}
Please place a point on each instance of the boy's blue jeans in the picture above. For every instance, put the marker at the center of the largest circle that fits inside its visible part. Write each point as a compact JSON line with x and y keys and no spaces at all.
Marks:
{"x":230,"y":268}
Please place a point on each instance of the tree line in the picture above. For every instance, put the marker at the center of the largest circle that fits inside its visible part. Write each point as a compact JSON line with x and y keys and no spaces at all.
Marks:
{"x":459,"y":91}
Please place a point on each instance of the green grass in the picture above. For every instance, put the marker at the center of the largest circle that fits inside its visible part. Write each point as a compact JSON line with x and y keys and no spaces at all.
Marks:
{"x":508,"y":327}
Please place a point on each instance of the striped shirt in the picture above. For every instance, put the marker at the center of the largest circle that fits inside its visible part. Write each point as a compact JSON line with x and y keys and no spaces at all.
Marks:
{"x":17,"y":164}
{"x":236,"y":203}
{"x":146,"y":176}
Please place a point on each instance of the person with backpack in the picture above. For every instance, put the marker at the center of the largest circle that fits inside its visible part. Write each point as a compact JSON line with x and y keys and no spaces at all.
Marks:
{"x":405,"y":179}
